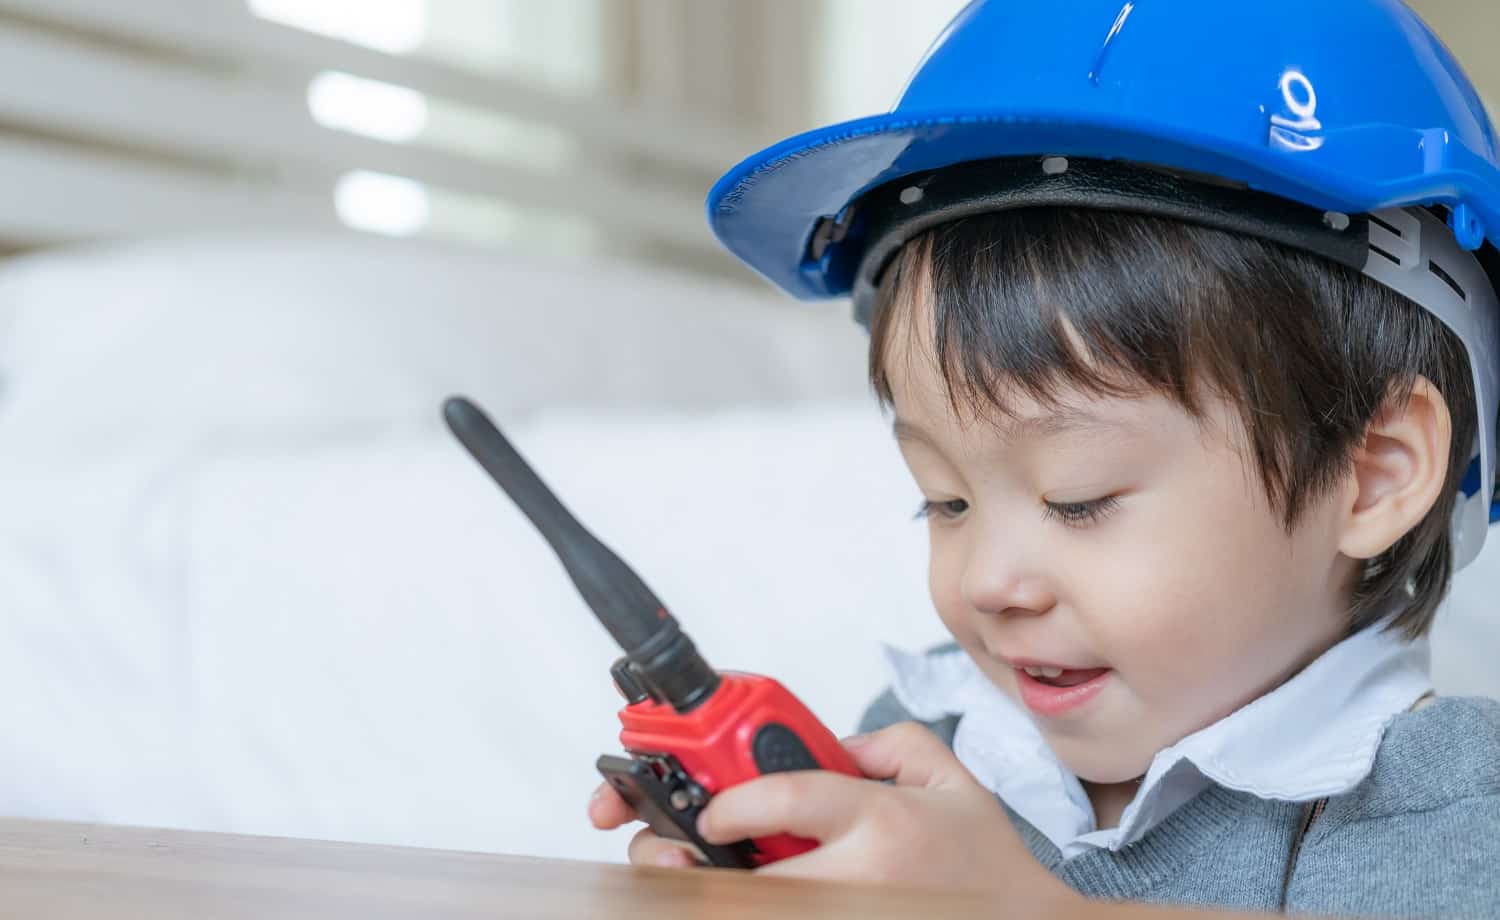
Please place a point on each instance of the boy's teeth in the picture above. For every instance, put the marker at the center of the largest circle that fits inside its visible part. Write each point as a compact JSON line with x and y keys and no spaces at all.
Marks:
{"x":1044,"y":672}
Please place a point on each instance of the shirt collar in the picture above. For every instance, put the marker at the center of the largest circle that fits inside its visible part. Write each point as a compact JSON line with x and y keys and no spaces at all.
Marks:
{"x":1325,"y":725}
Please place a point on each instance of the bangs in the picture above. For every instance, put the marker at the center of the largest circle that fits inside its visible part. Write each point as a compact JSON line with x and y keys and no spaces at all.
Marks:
{"x":1051,"y":302}
{"x":1043,"y":301}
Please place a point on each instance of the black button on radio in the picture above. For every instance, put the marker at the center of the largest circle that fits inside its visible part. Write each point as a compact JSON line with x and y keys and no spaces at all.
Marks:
{"x":777,"y":749}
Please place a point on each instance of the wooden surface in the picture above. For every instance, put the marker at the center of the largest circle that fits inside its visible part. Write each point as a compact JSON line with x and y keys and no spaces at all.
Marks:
{"x":78,"y":871}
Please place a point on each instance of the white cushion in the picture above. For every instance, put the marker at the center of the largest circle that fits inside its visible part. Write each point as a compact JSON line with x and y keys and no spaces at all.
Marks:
{"x":257,"y":332}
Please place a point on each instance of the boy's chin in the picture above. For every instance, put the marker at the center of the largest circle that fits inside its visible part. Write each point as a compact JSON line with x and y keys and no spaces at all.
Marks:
{"x":1100,"y":761}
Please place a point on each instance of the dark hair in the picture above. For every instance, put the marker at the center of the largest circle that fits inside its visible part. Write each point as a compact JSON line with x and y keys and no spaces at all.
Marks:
{"x":1307,"y":349}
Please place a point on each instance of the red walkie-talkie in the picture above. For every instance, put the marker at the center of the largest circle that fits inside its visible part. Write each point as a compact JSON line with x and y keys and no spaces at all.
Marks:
{"x":690,"y":731}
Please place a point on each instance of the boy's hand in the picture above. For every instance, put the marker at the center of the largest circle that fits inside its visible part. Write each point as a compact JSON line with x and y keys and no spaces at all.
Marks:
{"x":608,"y":811}
{"x":936,"y":826}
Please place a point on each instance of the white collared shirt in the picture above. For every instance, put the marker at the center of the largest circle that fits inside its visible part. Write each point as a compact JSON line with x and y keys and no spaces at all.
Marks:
{"x":1324,"y":726}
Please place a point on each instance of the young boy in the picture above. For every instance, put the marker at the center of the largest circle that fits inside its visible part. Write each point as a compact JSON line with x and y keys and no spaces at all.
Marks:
{"x":1187,"y":318}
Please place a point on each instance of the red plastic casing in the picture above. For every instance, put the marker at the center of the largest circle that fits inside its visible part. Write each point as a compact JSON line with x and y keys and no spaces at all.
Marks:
{"x":713,"y":742}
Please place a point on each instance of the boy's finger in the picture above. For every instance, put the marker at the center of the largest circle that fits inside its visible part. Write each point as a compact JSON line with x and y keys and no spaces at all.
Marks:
{"x":826,"y":862}
{"x":808,"y":803}
{"x":908,"y":753}
{"x":607,"y":810}
{"x":647,"y":849}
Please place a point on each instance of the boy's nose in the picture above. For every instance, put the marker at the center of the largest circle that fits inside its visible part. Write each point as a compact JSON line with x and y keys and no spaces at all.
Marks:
{"x":996,"y":586}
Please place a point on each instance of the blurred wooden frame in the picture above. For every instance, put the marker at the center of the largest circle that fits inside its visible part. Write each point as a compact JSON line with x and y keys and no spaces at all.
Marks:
{"x":121,"y":119}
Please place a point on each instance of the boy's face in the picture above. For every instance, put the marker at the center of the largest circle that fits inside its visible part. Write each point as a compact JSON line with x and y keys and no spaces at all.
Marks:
{"x":1118,"y":534}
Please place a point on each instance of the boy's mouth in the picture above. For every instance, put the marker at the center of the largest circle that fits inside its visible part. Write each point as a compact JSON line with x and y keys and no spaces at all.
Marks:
{"x":1051,"y":691}
{"x":1062,"y":677}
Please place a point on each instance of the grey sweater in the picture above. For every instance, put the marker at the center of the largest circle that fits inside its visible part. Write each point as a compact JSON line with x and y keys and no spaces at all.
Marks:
{"x":1420,"y":837}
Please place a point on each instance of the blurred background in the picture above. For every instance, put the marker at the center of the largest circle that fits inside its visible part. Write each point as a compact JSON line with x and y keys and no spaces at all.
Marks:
{"x":577,"y":126}
{"x":248,"y":583}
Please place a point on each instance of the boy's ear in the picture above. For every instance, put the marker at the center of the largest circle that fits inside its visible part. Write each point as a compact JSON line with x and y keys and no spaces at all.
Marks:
{"x":1399,"y":471}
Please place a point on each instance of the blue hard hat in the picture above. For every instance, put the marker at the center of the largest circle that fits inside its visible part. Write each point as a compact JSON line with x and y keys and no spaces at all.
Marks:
{"x":1343,"y":127}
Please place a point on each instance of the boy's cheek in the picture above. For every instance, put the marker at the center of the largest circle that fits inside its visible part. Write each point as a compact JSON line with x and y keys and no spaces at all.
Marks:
{"x":945,"y":585}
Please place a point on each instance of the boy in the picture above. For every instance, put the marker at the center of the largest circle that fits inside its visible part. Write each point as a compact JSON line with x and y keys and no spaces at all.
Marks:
{"x":1188,"y":324}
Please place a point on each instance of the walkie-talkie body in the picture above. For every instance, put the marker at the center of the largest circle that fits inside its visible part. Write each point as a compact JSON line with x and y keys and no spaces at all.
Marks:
{"x":690,"y":731}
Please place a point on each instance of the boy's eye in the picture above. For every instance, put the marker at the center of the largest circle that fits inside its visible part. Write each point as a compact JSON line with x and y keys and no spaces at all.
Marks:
{"x":1077,"y":514}
{"x":948,"y":509}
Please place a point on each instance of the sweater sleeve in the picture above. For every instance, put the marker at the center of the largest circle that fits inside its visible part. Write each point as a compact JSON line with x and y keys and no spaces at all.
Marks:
{"x":1419,"y":837}
{"x":1444,"y":862}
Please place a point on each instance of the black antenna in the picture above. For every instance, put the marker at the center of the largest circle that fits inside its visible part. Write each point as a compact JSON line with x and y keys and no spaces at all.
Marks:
{"x":650,"y":637}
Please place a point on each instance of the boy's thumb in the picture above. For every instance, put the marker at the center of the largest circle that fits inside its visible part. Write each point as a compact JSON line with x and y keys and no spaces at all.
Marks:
{"x":908,"y":753}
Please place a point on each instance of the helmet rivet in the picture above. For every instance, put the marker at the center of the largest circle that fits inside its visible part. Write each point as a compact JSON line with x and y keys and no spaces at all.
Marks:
{"x":1466,"y":226}
{"x":1055,"y":166}
{"x":1336,"y":220}
{"x":911,"y":194}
